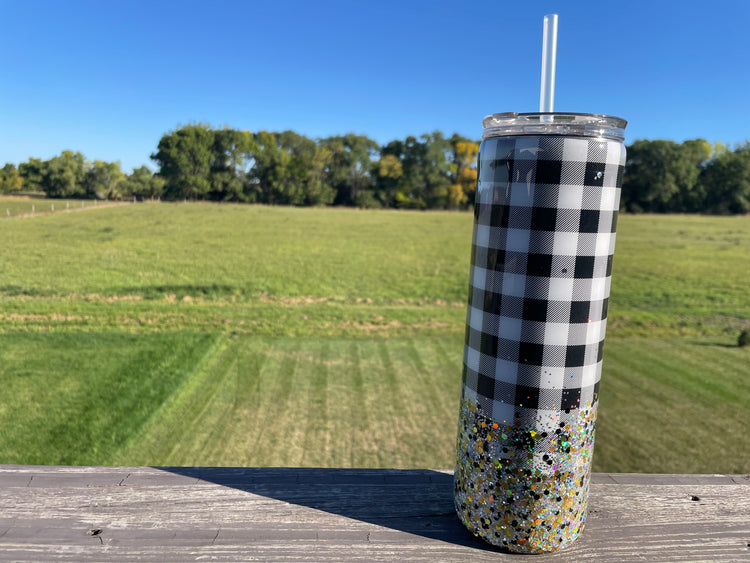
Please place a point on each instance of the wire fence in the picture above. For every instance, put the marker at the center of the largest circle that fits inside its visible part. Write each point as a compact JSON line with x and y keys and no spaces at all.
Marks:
{"x":16,"y":207}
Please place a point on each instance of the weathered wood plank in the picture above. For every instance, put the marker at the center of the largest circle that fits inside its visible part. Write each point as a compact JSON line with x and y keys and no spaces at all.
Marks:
{"x":227,"y":514}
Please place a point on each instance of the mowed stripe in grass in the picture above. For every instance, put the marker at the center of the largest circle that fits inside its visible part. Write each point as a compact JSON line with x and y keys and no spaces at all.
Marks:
{"x":313,"y":402}
{"x":674,"y":406}
{"x":77,"y":398}
{"x":667,"y":406}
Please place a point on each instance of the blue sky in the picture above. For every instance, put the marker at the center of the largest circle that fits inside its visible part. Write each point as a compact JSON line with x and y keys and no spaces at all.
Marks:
{"x":110,"y":78}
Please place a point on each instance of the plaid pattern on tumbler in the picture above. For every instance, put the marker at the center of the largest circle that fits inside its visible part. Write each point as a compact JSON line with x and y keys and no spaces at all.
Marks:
{"x":544,"y":235}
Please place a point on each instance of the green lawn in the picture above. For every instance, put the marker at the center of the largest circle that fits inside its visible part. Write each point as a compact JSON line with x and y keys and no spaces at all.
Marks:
{"x":677,"y":405}
{"x":203,"y":334}
{"x":76,"y":398}
{"x":682,"y":274}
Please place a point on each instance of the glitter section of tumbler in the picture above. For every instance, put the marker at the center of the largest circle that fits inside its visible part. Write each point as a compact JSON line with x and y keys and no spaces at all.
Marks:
{"x":544,"y":234}
{"x":524,"y":485}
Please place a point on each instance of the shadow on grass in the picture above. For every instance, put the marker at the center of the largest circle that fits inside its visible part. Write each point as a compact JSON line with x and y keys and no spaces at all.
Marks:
{"x":715,"y":344}
{"x":418,"y":502}
{"x":17,"y":290}
{"x":179,"y":291}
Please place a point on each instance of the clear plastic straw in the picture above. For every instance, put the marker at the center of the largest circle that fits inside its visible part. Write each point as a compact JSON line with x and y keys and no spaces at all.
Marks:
{"x":549,"y":61}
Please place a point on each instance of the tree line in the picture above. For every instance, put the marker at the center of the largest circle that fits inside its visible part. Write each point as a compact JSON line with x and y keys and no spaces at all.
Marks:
{"x":690,"y":177}
{"x":70,"y":175}
{"x":198,"y":162}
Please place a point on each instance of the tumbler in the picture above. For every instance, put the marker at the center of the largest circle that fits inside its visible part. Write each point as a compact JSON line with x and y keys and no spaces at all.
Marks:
{"x":547,"y":200}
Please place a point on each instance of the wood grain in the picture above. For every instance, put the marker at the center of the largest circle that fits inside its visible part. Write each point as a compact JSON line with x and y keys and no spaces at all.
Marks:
{"x":271,"y":514}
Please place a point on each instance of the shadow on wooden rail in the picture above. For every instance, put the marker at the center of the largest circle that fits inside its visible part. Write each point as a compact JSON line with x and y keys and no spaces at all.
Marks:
{"x":296,"y":514}
{"x":418,"y":502}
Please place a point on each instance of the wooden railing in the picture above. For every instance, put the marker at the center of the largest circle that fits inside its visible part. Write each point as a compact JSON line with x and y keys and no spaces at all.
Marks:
{"x":266,"y":514}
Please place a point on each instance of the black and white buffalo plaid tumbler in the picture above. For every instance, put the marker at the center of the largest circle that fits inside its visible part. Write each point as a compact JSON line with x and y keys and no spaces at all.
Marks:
{"x":546,"y":207}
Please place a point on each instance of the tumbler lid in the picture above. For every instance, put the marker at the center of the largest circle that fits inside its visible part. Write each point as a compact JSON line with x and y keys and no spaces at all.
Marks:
{"x":571,"y":124}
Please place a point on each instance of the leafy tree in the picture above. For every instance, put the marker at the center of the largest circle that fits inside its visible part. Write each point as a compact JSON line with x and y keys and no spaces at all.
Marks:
{"x":350,"y":168}
{"x":102,"y":180}
{"x":299,"y":151}
{"x":464,"y":184}
{"x":726,"y":181}
{"x":427,"y":169}
{"x":185,"y":157}
{"x":10,"y":179}
{"x":63,"y":176}
{"x":232,"y":150}
{"x":662,"y":176}
{"x":390,"y":171}
{"x":278,"y":174}
{"x":268,"y":162}
{"x":32,"y":171}
{"x":290,"y":169}
{"x":141,"y":183}
{"x":411,"y":187}
{"x":318,"y":190}
{"x":691,"y":197}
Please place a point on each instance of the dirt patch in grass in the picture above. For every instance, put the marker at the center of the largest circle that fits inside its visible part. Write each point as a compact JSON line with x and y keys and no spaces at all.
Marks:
{"x":294,"y":300}
{"x":370,"y":327}
{"x":37,"y":317}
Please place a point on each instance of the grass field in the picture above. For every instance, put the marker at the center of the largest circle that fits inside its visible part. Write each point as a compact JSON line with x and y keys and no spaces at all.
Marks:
{"x":194,"y":334}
